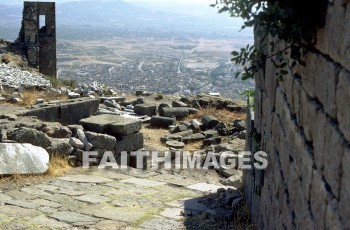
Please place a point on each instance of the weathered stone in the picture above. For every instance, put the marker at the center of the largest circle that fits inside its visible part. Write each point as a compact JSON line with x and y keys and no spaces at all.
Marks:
{"x":42,"y":220}
{"x":239,"y":125}
{"x":210,"y":133}
{"x":193,"y":110}
{"x":80,"y":178}
{"x":212,"y":141}
{"x":60,"y":146}
{"x":343,"y":98}
{"x":129,"y":143}
{"x":209,"y":122}
{"x":74,"y":218}
{"x":175,"y":144}
{"x":23,"y":159}
{"x":235,"y":180}
{"x":30,"y":136}
{"x":179,"y":128}
{"x":178,"y":104}
{"x":72,"y":95}
{"x":148,"y":110}
{"x":143,"y":182}
{"x":111,"y":124}
{"x":193,"y":138}
{"x":66,"y":112}
{"x":92,"y":198}
{"x":163,"y":122}
{"x":204,"y":187}
{"x":82,"y":137}
{"x":178,"y":113}
{"x":172,"y":137}
{"x":101,"y":141}
{"x":59,"y":132}
{"x":76,"y":143}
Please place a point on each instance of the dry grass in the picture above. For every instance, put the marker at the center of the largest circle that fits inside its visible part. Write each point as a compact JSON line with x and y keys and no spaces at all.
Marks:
{"x":7,"y":58}
{"x":30,"y":96}
{"x":152,"y":138}
{"x":193,"y":147}
{"x":222,"y":115}
{"x":58,"y":166}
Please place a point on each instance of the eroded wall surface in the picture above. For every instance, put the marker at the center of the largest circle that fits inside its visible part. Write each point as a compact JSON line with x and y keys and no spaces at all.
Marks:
{"x":303,"y":123}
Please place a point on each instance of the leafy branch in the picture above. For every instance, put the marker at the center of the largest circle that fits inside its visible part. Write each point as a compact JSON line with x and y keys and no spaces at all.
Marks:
{"x":292,"y":22}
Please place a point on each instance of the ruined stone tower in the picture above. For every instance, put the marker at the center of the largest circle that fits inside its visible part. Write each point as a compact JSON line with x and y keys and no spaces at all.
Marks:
{"x":38,"y":36}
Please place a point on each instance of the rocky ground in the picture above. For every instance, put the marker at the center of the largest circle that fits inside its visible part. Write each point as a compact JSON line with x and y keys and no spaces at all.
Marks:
{"x":51,"y":123}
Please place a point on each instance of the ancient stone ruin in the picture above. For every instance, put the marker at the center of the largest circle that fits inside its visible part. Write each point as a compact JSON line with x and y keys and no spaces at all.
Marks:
{"x":38,"y":36}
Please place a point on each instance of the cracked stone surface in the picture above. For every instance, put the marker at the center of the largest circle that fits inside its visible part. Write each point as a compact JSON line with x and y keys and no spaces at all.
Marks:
{"x":105,"y":199}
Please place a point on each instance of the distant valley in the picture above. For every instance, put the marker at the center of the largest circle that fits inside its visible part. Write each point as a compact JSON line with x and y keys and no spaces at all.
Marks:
{"x":131,"y":45}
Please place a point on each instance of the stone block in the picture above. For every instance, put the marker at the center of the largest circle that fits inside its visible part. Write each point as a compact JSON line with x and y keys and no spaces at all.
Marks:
{"x":148,"y":110}
{"x":342,"y":103}
{"x":319,"y":198}
{"x":333,"y":39}
{"x":344,"y":201}
{"x":23,"y":159}
{"x":111,"y":124}
{"x":66,"y":112}
{"x":129,"y":143}
{"x":101,"y":141}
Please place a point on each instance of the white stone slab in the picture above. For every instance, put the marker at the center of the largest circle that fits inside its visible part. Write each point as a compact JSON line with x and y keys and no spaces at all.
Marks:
{"x":22,"y":159}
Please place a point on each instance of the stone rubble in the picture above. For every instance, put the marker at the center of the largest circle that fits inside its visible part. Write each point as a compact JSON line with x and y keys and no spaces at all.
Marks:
{"x":15,"y":78}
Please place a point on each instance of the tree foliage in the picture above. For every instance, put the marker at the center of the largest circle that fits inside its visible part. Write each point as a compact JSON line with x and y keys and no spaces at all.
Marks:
{"x":293,"y":22}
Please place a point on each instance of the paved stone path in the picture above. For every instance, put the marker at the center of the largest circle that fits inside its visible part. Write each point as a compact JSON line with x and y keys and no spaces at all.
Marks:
{"x":104,"y":199}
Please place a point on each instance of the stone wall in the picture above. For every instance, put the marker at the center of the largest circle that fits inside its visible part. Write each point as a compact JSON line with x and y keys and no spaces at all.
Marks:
{"x":303,"y":123}
{"x":39,"y":42}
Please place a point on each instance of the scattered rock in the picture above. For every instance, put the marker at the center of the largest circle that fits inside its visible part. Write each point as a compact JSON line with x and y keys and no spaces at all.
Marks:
{"x":82,"y":137}
{"x":175,"y":144}
{"x":76,"y":143}
{"x":178,"y":104}
{"x":72,"y":95}
{"x":212,"y":141}
{"x":163,"y":122}
{"x":209,"y":122}
{"x":180,"y":128}
{"x":239,"y":125}
{"x":178,"y":113}
{"x":148,"y":110}
{"x":193,"y":138}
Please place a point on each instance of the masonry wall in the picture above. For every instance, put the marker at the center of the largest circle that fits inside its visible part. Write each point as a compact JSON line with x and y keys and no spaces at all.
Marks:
{"x":303,"y":123}
{"x":40,"y":42}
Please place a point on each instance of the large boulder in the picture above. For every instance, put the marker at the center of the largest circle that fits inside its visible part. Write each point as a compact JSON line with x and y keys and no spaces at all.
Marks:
{"x":29,"y":136}
{"x":23,"y":159}
{"x":60,"y":147}
{"x":111,"y":124}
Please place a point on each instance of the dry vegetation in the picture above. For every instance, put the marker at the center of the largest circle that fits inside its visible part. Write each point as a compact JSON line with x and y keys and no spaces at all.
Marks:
{"x":58,"y":166}
{"x":30,"y":96}
{"x":152,"y":138}
{"x":222,"y":115}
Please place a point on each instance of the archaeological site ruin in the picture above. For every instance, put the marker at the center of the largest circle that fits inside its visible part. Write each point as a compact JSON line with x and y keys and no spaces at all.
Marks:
{"x":38,"y":36}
